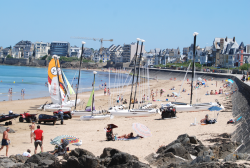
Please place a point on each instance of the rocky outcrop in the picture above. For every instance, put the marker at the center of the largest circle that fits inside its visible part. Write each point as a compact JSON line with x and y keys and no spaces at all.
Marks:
{"x":187,"y":151}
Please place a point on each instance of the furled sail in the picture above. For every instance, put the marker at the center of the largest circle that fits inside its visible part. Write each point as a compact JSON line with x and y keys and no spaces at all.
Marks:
{"x":54,"y":84}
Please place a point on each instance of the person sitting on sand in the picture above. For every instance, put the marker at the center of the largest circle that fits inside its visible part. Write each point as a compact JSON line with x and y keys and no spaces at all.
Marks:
{"x":184,"y":90}
{"x":130,"y":135}
{"x":125,"y":101}
{"x":205,"y":120}
{"x":211,"y":93}
{"x":216,"y":92}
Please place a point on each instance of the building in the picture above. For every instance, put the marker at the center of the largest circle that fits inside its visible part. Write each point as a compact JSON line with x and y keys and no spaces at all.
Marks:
{"x":172,"y":55}
{"x":41,"y":49}
{"x":185,"y":51}
{"x":23,"y":49}
{"x":60,"y":48}
{"x":88,"y":53}
{"x":129,"y":51}
{"x":223,"y":51}
{"x":75,"y":51}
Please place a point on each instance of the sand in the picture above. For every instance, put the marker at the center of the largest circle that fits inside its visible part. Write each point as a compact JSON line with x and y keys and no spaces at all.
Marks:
{"x":92,"y":132}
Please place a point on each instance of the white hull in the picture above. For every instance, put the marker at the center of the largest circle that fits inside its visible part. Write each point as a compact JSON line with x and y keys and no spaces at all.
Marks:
{"x":83,"y":113}
{"x":56,"y":107}
{"x":98,"y":117}
{"x":132,"y":113}
{"x":194,"y":107}
{"x":53,"y":107}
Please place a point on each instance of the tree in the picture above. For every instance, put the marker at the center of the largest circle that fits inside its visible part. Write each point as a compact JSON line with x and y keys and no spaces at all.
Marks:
{"x":8,"y":56}
{"x":100,"y":61}
{"x":44,"y":57}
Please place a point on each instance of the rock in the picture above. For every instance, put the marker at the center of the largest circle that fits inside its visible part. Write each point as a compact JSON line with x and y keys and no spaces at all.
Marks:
{"x":207,"y":156}
{"x":78,"y":152}
{"x":2,"y":129}
{"x":7,"y":162}
{"x":72,"y":162}
{"x":89,"y":161}
{"x":182,"y":137}
{"x":193,"y":140}
{"x":231,"y":157}
{"x":232,"y":165}
{"x":185,"y":141}
{"x":109,"y":152}
{"x":43,"y":159}
{"x":120,"y":158}
{"x":18,"y":158}
{"x":242,"y":156}
{"x":179,"y":150}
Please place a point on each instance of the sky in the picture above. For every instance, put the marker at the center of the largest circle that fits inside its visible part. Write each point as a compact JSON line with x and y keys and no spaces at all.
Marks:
{"x":162,"y":24}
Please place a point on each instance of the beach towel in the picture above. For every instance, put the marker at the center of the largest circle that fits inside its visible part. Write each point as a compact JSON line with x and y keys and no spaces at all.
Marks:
{"x":127,"y":139}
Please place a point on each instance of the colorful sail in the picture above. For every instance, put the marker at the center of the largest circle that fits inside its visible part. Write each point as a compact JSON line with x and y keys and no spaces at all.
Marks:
{"x":91,"y":101}
{"x":57,"y":93}
{"x":70,"y":89}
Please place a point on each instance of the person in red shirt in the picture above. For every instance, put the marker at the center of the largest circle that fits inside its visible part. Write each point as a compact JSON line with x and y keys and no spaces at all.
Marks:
{"x":38,"y":137}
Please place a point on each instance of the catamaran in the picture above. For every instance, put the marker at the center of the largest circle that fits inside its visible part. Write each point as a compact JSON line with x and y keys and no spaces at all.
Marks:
{"x":57,"y":89}
{"x":90,"y":107}
{"x":131,"y":112}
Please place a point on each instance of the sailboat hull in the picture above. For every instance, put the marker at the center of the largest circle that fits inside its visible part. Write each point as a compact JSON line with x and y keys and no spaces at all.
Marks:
{"x":83,"y":113}
{"x":131,"y":113}
{"x":100,"y":117}
{"x":194,"y":107}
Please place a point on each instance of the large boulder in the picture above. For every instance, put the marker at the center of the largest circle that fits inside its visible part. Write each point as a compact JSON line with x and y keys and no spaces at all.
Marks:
{"x":43,"y":159}
{"x":179,"y":150}
{"x":8,"y":162}
{"x":18,"y":158}
{"x":78,"y":152}
{"x":72,"y":162}
{"x":109,"y":152}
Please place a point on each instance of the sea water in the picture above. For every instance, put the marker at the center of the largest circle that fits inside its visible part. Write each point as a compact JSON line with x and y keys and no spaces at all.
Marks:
{"x":33,"y":79}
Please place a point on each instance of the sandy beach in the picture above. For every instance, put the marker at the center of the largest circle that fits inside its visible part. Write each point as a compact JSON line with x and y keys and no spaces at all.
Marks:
{"x":92,"y":132}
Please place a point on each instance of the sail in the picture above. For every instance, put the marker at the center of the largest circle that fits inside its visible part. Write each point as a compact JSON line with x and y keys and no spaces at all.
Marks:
{"x":91,"y":101}
{"x":54,"y":84}
{"x":70,"y":89}
{"x":89,"y":104}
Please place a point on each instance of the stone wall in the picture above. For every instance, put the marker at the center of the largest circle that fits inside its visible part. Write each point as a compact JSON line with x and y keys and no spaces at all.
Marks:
{"x":241,"y":111}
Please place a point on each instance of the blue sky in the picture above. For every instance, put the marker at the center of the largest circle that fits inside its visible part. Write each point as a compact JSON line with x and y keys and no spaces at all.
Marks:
{"x":163,"y":24}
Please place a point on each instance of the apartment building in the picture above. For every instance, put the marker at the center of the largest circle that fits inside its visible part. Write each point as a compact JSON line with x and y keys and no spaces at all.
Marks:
{"x":129,"y":51}
{"x":75,"y":51}
{"x":41,"y":49}
{"x":60,"y":48}
{"x":23,"y":49}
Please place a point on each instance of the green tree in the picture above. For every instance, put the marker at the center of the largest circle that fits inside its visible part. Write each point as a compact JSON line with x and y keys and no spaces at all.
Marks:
{"x":100,"y":61}
{"x":8,"y":56}
{"x":244,"y":66}
{"x":44,"y":57}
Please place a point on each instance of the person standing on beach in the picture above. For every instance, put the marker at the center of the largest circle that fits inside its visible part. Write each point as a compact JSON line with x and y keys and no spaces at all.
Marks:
{"x":105,"y":91}
{"x":118,"y":98}
{"x":32,"y":129}
{"x":5,"y":140}
{"x":38,"y":137}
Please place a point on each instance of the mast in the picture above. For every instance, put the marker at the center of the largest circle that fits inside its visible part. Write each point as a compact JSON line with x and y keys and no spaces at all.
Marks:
{"x":134,"y":73}
{"x":109,"y":90}
{"x":138,"y":71}
{"x":79,"y":73}
{"x":93,"y":97}
{"x":195,"y":34}
{"x":57,"y":73}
